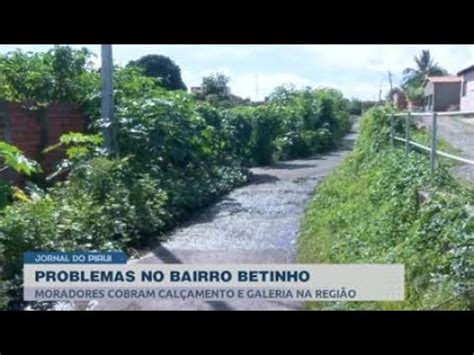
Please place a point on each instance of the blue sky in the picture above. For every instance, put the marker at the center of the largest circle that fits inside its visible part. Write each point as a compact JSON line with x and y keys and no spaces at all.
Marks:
{"x":356,"y":70}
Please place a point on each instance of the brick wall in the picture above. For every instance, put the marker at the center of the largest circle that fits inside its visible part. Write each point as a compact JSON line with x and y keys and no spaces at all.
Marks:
{"x":33,"y":130}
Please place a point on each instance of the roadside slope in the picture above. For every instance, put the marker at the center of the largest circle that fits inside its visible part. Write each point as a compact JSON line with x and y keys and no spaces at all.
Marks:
{"x":371,"y":210}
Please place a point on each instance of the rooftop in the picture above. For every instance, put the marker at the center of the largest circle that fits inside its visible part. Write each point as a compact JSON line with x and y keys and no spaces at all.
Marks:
{"x":444,"y":79}
{"x":468,"y":69}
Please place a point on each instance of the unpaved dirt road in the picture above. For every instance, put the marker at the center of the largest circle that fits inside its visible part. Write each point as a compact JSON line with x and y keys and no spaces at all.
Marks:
{"x":257,"y":223}
{"x":459,"y":133}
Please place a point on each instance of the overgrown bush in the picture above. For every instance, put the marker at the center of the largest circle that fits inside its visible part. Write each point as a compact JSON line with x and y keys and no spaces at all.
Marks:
{"x":13,"y":160}
{"x":104,"y":205}
{"x":61,"y":74}
{"x":166,"y":131}
{"x":3,"y":282}
{"x":368,"y":211}
{"x":175,"y":155}
{"x":114,"y":202}
{"x":266,"y":127}
{"x":173,"y":163}
{"x":237,"y":127}
{"x":293,"y":123}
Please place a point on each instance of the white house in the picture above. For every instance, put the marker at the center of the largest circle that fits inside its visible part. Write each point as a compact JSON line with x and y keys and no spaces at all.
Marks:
{"x":467,"y":89}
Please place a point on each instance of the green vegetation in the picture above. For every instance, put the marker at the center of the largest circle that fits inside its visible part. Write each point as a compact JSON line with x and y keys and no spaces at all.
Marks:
{"x":161,"y":68}
{"x":13,"y":158}
{"x":216,"y":84}
{"x":368,"y":211}
{"x":176,"y":154}
{"x":216,"y":91}
{"x":414,"y":78}
{"x":61,"y":74}
{"x":355,"y":107}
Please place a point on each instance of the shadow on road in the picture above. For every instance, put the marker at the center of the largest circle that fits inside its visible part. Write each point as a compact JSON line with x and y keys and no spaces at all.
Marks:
{"x":258,"y":179}
{"x":289,"y":166}
{"x":167,"y":257}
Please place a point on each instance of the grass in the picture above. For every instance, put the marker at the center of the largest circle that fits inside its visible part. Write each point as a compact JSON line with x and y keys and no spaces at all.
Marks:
{"x":367,"y":211}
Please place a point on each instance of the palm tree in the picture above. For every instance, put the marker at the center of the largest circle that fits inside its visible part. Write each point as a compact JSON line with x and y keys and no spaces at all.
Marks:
{"x":414,"y":79}
{"x":425,"y":66}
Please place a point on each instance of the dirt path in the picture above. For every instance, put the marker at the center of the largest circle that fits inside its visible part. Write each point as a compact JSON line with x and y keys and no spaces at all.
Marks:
{"x":257,"y":223}
{"x":459,"y":133}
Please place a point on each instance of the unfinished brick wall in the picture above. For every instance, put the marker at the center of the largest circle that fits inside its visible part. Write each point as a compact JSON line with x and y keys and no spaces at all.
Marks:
{"x":32,"y":130}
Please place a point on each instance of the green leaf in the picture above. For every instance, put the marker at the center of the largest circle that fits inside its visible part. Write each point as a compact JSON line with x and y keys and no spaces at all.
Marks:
{"x":15,"y":159}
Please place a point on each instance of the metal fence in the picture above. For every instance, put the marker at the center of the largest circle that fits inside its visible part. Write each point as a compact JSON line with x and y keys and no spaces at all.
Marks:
{"x":434,"y":153}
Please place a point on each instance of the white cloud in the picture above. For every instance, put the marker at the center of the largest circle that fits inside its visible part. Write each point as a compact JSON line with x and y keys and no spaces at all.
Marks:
{"x":371,"y":63}
{"x":248,"y":84}
{"x":356,"y":70}
{"x":390,"y":57}
{"x":194,"y":78}
{"x":366,"y":90}
{"x":235,"y":51}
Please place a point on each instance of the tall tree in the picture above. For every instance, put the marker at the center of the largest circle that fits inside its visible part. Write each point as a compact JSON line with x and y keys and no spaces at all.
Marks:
{"x":161,"y":68}
{"x":425,"y":66}
{"x":216,"y":84}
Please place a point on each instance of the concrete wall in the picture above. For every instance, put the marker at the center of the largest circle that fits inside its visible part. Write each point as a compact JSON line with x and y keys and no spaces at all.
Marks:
{"x":467,"y":102}
{"x":428,"y":97}
{"x":429,"y":88}
{"x":33,"y":130}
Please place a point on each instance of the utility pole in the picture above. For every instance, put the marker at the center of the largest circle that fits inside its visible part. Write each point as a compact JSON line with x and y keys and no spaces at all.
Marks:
{"x":256,"y":87}
{"x":390,"y":80}
{"x":107,"y":105}
{"x":391,"y":96}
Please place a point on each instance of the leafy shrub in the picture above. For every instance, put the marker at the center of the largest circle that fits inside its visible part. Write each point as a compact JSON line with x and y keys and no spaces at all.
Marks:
{"x":3,"y":282}
{"x":166,"y":131}
{"x":3,"y":295}
{"x":61,"y":74}
{"x":355,"y":106}
{"x":186,"y":146}
{"x":161,"y":68}
{"x":13,"y":158}
{"x":216,"y":85}
{"x":303,"y":144}
{"x":103,"y":205}
{"x":237,"y":129}
{"x":292,"y":124}
{"x":127,"y":206}
{"x":27,"y":226}
{"x":5,"y":194}
{"x":266,"y":128}
{"x":78,"y":147}
{"x":333,"y":110}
